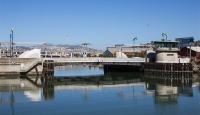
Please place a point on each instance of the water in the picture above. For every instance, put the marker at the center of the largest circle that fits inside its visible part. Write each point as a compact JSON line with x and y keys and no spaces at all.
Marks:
{"x":122,"y":94}
{"x":78,"y":70}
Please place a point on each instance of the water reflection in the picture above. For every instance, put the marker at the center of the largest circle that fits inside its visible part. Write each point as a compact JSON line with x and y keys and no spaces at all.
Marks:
{"x":10,"y":86}
{"x":165,"y":90}
{"x":48,"y":89}
{"x":78,"y":70}
{"x":124,"y":91}
{"x":168,"y":90}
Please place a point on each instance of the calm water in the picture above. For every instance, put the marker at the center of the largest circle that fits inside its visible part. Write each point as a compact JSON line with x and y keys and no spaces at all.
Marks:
{"x":78,"y":70}
{"x":136,"y":96}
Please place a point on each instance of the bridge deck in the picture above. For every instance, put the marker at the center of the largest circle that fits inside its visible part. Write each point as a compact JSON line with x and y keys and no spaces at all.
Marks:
{"x":99,"y":60}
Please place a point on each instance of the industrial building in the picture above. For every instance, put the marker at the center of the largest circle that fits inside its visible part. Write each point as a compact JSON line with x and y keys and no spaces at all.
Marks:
{"x":129,"y":51}
{"x":193,"y":52}
{"x":185,"y":41}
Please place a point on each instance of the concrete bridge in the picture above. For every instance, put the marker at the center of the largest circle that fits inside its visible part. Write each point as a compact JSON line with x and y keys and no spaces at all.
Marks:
{"x":110,"y":64}
{"x":23,"y":66}
{"x":98,"y":60}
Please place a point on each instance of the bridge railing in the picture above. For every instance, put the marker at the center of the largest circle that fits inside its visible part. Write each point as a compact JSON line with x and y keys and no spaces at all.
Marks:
{"x":15,"y":60}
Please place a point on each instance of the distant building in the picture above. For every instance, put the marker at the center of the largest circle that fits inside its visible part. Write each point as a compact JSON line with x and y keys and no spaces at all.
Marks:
{"x":197,"y":43}
{"x":195,"y":52}
{"x":107,"y":53}
{"x":185,"y":41}
{"x":130,"y":51}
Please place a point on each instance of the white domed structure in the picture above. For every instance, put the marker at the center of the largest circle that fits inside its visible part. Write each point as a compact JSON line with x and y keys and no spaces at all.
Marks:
{"x":35,"y":53}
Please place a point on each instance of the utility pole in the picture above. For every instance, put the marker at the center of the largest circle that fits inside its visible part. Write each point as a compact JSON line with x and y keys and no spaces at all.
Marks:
{"x":190,"y":53}
{"x":0,"y":49}
{"x":11,"y":42}
{"x":134,"y":39}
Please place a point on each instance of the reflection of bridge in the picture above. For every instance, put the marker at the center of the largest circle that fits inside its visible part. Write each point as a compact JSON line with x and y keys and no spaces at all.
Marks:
{"x":164,"y":92}
{"x":13,"y":85}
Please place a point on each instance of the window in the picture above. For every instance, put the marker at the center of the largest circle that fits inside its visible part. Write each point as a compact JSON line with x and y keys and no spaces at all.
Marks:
{"x":170,"y":54}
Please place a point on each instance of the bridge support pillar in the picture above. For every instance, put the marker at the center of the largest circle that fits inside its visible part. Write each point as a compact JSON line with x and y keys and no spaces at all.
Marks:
{"x":48,"y":69}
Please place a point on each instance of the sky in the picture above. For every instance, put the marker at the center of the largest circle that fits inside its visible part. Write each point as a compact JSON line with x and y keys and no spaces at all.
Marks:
{"x":101,"y":23}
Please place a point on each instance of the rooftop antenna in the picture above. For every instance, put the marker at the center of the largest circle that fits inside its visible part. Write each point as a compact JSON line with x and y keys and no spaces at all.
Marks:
{"x":164,"y":35}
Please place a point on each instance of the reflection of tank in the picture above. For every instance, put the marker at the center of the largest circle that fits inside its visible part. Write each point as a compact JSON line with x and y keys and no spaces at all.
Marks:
{"x":166,"y":94}
{"x":185,"y":91}
{"x":150,"y":88}
{"x":169,"y":79}
{"x":168,"y":90}
{"x":166,"y":99}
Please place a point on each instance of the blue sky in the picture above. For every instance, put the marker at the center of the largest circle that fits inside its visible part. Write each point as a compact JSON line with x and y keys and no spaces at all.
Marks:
{"x":99,"y":22}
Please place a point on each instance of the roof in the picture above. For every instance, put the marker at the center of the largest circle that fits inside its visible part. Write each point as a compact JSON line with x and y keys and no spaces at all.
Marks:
{"x":185,"y":38}
{"x":195,"y":48}
{"x":165,"y":41}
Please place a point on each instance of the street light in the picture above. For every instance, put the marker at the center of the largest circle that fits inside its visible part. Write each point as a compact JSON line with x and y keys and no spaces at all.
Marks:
{"x":85,"y":45}
{"x":0,"y":49}
{"x":164,"y":35}
{"x":134,"y":39}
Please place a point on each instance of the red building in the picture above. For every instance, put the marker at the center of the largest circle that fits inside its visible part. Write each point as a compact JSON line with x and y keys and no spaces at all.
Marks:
{"x":195,"y":52}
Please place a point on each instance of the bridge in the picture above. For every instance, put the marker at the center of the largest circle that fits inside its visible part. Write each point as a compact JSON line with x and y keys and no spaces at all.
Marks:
{"x":110,"y":64}
{"x":23,"y":66}
{"x":98,"y":60}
